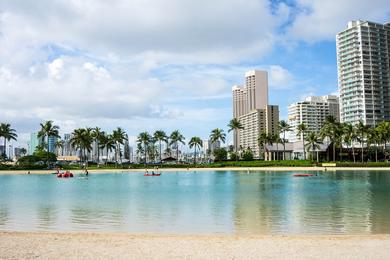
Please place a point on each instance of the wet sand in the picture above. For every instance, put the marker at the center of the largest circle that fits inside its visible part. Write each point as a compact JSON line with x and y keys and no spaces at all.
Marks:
{"x":45,"y":245}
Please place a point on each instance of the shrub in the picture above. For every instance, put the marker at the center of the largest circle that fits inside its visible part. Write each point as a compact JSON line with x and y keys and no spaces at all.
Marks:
{"x":247,"y":155}
{"x":234,"y":157}
{"x":220,"y":154}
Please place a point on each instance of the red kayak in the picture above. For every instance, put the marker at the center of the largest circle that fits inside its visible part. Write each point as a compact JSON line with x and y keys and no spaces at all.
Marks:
{"x":65,"y":175}
{"x":303,"y":175}
{"x":150,"y":174}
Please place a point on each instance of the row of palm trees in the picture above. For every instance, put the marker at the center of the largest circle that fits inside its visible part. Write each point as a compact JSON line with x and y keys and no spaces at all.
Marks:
{"x":336,"y":134}
{"x":146,"y":143}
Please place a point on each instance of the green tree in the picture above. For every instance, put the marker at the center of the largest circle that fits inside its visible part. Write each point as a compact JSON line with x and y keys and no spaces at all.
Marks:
{"x":48,"y":130}
{"x":107,"y":142}
{"x":284,"y":127}
{"x":247,"y":155}
{"x":331,"y":130}
{"x":313,"y":143}
{"x":195,"y":142}
{"x":262,"y":141}
{"x":176,"y":138}
{"x":349,"y":137}
{"x":220,"y":154}
{"x":119,"y":136}
{"x":97,"y":135}
{"x":144,"y":139}
{"x":384,"y":134}
{"x":8,"y":134}
{"x":361,"y":132}
{"x":160,"y":136}
{"x":59,"y":145}
{"x":235,"y":125}
{"x":82,"y":140}
{"x":301,"y":130}
{"x":217,"y":135}
{"x":373,"y":138}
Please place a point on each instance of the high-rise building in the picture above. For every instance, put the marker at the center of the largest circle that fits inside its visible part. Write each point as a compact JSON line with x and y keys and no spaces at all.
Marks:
{"x":33,"y":143}
{"x":250,"y":107}
{"x":52,"y":143}
{"x":312,"y":112}
{"x":255,"y":122}
{"x":363,"y":60}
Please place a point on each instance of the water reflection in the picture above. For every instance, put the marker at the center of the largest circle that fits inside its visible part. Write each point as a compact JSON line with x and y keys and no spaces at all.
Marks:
{"x":203,"y":202}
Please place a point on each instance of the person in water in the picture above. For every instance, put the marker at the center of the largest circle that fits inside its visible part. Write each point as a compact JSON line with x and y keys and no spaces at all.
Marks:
{"x":86,"y":172}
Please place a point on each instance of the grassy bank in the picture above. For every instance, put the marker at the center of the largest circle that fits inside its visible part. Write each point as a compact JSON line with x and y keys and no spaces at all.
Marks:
{"x":256,"y":163}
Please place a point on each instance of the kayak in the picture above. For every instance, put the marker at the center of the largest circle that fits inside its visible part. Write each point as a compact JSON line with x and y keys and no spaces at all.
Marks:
{"x":149,"y":174}
{"x":303,"y":175}
{"x":65,"y":175}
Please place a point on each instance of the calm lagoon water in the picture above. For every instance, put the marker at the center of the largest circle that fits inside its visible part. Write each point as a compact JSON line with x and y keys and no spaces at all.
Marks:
{"x":224,"y":202}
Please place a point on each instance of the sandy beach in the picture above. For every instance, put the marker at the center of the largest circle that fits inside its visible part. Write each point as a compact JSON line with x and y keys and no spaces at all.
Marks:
{"x":28,"y":245}
{"x":174,"y":170}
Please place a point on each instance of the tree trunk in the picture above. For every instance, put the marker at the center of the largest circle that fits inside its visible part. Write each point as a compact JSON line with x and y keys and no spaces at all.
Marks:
{"x":5,"y":149}
{"x":195,"y":156}
{"x":353,"y":154}
{"x":362,"y":151}
{"x":47,"y":154}
{"x":160,"y":150}
{"x":177,"y":153}
{"x":284,"y":145}
{"x":303,"y":146}
{"x":334,"y":151}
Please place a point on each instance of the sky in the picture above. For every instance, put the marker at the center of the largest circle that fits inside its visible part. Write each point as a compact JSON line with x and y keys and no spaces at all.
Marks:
{"x":146,"y":65}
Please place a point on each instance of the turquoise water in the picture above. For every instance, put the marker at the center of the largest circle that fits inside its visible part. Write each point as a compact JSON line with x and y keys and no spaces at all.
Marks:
{"x":227,"y":202}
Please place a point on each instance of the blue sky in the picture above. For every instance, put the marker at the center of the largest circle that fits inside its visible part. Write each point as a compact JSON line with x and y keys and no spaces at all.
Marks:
{"x":148,"y":65}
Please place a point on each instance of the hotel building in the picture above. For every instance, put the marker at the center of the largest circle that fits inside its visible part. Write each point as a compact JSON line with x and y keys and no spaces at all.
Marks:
{"x":312,"y":112}
{"x":250,"y":107}
{"x":363,"y":60}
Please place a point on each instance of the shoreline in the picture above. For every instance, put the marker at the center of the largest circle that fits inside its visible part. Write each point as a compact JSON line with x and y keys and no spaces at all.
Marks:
{"x":86,"y":245}
{"x":175,"y":170}
{"x":169,"y":170}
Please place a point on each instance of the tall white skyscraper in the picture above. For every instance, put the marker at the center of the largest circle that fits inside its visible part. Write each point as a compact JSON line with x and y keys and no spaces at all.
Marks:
{"x":363,"y":59}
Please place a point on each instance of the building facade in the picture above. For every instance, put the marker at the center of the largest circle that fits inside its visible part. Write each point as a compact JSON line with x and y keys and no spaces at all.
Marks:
{"x":250,"y":107}
{"x":363,"y":60}
{"x":33,"y":143}
{"x":312,"y":112}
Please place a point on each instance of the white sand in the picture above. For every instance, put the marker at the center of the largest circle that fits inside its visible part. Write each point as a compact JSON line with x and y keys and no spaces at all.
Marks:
{"x":23,"y":245}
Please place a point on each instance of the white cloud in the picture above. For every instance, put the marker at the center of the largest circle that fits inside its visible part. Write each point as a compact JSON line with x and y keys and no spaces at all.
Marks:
{"x":320,"y":20}
{"x":280,"y":78}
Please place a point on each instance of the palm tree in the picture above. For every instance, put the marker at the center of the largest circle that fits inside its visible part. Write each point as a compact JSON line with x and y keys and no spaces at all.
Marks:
{"x":144,"y":139}
{"x":301,"y":129}
{"x":277,"y":140}
{"x":262,"y":141}
{"x":349,"y":137}
{"x":48,"y":130}
{"x":284,"y":127}
{"x":176,"y":138}
{"x":313,"y":143}
{"x":96,"y":135}
{"x":270,"y":139}
{"x":384,"y":134}
{"x":8,"y":134}
{"x":330,"y":129}
{"x":82,"y":139}
{"x":195,"y":142}
{"x":361,"y":132}
{"x":119,"y":137}
{"x":217,"y":135}
{"x":59,"y":144}
{"x":235,"y":125}
{"x":373,"y":137}
{"x":108,"y":143}
{"x":160,"y":136}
